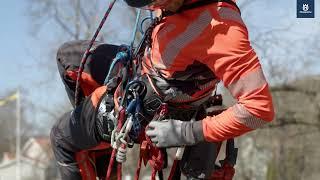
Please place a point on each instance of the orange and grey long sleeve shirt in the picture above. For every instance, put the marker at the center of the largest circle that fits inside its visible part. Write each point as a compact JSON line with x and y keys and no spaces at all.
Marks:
{"x":193,"y":50}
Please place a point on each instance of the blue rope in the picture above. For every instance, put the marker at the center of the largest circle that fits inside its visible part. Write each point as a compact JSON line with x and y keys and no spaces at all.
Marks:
{"x":142,"y":22}
{"x":135,"y":29}
{"x":151,"y":14}
{"x":121,"y":56}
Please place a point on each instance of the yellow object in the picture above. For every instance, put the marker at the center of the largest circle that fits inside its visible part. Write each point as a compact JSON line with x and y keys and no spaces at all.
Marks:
{"x":8,"y":99}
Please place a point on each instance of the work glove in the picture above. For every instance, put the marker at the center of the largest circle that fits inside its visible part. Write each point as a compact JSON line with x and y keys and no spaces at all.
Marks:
{"x":175,"y":133}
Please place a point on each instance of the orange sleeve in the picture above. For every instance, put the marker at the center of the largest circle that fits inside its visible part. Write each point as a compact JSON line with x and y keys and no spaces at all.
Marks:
{"x":234,"y":61}
{"x":97,"y":94}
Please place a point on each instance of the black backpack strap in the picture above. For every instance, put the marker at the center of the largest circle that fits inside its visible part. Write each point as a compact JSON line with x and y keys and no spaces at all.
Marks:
{"x":199,"y":4}
{"x":231,"y":153}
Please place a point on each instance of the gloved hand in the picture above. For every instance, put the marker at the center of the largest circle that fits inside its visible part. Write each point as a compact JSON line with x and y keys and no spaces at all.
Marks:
{"x":175,"y":133}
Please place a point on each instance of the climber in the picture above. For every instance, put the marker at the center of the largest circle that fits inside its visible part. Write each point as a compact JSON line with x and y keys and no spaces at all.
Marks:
{"x":196,"y":44}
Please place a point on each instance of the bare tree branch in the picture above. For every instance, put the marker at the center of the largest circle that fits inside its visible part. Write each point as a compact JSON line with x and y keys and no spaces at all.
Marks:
{"x":57,"y":17}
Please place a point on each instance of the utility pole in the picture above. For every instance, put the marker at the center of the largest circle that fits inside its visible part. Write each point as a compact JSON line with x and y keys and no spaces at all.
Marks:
{"x":18,"y":136}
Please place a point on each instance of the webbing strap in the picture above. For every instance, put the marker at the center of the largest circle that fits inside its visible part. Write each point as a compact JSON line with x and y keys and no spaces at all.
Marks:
{"x":152,"y":155}
{"x":199,"y":4}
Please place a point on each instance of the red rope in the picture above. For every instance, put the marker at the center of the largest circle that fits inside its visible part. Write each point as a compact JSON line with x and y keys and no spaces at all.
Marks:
{"x":119,"y":171}
{"x":153,"y":174}
{"x":136,"y":177}
{"x":119,"y":166}
{"x":113,"y":155}
{"x":86,"y":54}
{"x":173,"y":169}
{"x":122,"y":115}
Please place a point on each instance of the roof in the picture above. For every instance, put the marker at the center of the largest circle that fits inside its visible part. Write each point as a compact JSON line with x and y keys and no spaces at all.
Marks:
{"x":43,"y":141}
{"x":36,"y":150}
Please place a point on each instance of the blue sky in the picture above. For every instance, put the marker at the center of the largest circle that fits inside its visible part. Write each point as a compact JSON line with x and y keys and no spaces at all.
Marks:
{"x":14,"y":39}
{"x":19,"y":49}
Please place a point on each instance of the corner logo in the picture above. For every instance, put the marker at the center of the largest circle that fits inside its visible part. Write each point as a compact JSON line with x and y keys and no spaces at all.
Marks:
{"x":305,"y":8}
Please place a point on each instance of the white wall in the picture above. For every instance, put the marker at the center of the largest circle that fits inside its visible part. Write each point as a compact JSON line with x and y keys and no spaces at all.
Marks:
{"x":28,"y":172}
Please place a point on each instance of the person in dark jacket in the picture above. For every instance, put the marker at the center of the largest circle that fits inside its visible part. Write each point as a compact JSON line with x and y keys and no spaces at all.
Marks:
{"x":77,"y":130}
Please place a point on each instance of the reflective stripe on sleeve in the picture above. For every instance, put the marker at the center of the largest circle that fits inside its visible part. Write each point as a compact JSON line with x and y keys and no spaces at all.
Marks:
{"x":194,"y":30}
{"x":246,"y":84}
{"x":230,"y":14}
{"x":244,"y":117}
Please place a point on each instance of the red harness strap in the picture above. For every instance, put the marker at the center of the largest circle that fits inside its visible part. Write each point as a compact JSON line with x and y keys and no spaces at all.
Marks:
{"x":173,"y":169}
{"x":152,"y":155}
{"x":226,"y":172}
{"x":86,"y":170}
